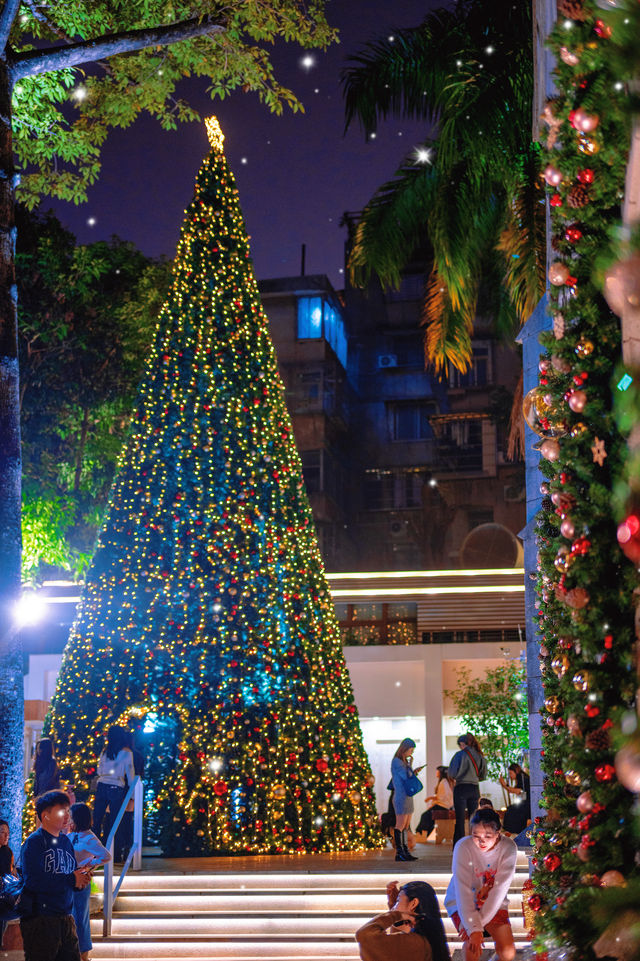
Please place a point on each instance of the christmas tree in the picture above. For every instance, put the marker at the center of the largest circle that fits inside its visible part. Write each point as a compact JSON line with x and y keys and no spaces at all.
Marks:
{"x":206,"y":620}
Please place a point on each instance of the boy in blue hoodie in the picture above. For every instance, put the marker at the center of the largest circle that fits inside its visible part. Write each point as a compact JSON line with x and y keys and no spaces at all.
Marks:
{"x":50,"y":875}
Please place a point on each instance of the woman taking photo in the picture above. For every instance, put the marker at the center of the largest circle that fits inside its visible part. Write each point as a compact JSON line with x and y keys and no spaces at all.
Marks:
{"x":442,"y":800}
{"x":476,"y":899}
{"x":115,"y":772}
{"x":518,"y":814}
{"x":45,"y":768}
{"x":468,"y":767}
{"x":401,"y":774}
{"x":414,"y":916}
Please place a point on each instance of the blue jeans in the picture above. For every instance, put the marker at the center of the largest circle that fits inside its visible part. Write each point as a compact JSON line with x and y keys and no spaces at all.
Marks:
{"x":465,"y":799}
{"x":80,"y":912}
{"x":111,"y":796}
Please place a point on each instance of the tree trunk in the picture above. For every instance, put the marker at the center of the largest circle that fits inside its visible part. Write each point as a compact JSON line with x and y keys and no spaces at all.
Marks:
{"x":80,"y":451}
{"x":11,"y":683}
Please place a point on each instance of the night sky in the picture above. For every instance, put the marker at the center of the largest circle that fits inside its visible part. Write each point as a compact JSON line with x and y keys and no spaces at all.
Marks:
{"x":296,"y":174}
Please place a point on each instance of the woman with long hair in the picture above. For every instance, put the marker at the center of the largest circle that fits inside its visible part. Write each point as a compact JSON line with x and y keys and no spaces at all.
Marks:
{"x":518,"y":813}
{"x":45,"y":768}
{"x":442,"y":800}
{"x":467,"y":768}
{"x":115,"y":772}
{"x":414,"y":914}
{"x":401,"y":773}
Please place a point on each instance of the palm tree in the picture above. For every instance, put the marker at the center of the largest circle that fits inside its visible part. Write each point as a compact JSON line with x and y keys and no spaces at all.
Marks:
{"x":472,"y":190}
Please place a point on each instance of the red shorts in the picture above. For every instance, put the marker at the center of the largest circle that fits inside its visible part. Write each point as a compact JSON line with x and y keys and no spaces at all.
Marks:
{"x":498,"y":920}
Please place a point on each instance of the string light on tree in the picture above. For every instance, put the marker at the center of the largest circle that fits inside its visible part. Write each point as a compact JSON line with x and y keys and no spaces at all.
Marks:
{"x":206,"y":621}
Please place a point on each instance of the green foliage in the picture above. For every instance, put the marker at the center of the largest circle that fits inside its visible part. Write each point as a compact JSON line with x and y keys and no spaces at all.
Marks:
{"x":586,"y":586}
{"x":63,"y":117}
{"x":494,"y":709}
{"x":467,"y":72}
{"x":87,"y":316}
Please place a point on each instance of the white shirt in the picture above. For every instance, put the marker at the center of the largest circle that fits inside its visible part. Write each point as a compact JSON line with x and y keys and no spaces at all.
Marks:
{"x":87,"y":845}
{"x":485,"y":873}
{"x":115,"y":771}
{"x":444,"y":794}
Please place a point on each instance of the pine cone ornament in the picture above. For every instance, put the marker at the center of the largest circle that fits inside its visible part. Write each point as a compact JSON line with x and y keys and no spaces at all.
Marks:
{"x":598,"y":740}
{"x":578,"y":196}
{"x":572,"y":9}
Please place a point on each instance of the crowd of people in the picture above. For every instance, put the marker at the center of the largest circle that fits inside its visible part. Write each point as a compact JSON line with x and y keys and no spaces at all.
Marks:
{"x":57,"y":859}
{"x":483,"y":864}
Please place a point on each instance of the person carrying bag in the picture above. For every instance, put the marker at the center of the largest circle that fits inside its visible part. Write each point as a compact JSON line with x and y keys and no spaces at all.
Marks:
{"x":468,"y":767}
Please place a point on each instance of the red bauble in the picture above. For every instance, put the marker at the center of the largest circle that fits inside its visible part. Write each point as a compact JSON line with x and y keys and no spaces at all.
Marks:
{"x":602,"y":29}
{"x":340,"y":786}
{"x":220,"y":788}
{"x":573,"y":234}
{"x":605,"y":772}
{"x":586,"y":176}
{"x":322,"y":765}
{"x":551,"y":862}
{"x":535,"y":902}
{"x":555,"y":200}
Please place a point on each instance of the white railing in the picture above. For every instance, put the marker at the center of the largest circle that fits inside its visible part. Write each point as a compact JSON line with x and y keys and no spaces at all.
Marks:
{"x":134,"y":857}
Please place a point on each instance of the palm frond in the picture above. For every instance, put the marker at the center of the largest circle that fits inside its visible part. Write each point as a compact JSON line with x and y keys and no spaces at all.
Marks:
{"x":522,"y":241}
{"x":447,"y":331}
{"x":392,"y":225}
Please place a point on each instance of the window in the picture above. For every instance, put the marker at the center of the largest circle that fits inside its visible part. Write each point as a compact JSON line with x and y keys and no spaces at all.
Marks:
{"x":460,"y":444}
{"x":379,"y":492}
{"x":393,"y":490}
{"x":310,"y":391}
{"x":411,"y":421}
{"x":378,"y":623}
{"x":318,"y":318}
{"x":309,"y":318}
{"x":312,"y":470}
{"x":478,"y":374}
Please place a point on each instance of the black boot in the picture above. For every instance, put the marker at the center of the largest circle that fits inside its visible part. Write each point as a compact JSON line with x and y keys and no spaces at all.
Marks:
{"x":405,"y":850}
{"x":397,"y":838}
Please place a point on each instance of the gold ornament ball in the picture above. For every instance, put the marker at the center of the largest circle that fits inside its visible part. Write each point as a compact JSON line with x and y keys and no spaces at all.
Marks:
{"x":371,"y":780}
{"x":573,"y":778}
{"x":578,"y":429}
{"x":556,"y":841}
{"x":612,"y":879}
{"x":558,"y":273}
{"x":573,"y":726}
{"x":582,"y":681}
{"x":552,"y":704}
{"x":560,"y":665}
{"x":279,"y":791}
{"x":531,"y":404}
{"x":584,"y":348}
{"x":355,"y":797}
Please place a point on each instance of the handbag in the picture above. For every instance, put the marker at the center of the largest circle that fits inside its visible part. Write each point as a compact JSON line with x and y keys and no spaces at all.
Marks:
{"x":413,"y":785}
{"x":10,"y":892}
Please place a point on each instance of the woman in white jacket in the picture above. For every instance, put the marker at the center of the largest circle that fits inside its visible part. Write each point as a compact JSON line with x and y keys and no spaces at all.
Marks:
{"x":476,"y":900}
{"x":115,"y":773}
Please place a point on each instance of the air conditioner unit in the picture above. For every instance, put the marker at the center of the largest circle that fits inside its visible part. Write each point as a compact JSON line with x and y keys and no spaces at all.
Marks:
{"x":514,"y":493}
{"x":387,"y":360}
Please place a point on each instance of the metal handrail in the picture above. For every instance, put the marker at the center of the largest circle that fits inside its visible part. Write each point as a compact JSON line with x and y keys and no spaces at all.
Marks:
{"x":135,"y":852}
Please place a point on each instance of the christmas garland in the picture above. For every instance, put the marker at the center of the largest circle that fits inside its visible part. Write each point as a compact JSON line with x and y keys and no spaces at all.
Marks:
{"x":586,"y":584}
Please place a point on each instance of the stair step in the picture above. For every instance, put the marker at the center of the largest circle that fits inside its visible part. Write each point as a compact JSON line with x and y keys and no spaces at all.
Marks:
{"x":232,"y":903}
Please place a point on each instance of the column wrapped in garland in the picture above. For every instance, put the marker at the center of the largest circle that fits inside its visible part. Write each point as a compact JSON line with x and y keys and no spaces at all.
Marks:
{"x":586,"y":585}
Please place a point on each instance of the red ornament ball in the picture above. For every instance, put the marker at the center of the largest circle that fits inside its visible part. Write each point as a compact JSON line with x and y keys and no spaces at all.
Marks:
{"x":573,"y":234}
{"x":628,"y":534}
{"x":321,"y":765}
{"x":220,"y":788}
{"x":586,"y":176}
{"x":551,"y":862}
{"x":605,"y":772}
{"x":535,"y":902}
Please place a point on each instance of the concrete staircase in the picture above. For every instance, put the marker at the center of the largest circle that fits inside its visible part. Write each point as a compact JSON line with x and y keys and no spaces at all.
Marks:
{"x":253,"y":916}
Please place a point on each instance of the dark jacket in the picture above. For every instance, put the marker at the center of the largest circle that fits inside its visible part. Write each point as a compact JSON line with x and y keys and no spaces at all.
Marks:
{"x":463,"y":769}
{"x":47,"y":864}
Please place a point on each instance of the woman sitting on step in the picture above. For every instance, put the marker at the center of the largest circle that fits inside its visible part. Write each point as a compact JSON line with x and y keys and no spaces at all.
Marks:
{"x":414,"y":915}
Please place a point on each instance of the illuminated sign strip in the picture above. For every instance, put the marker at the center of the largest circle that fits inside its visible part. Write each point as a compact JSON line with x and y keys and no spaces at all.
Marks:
{"x":411,"y":591}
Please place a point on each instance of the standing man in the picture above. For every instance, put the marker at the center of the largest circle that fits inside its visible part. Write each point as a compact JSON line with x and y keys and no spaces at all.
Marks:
{"x":50,"y":875}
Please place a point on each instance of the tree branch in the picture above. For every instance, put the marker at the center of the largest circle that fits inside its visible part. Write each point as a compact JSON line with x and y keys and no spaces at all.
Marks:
{"x":38,"y":15}
{"x":35,"y":62}
{"x":8,"y":15}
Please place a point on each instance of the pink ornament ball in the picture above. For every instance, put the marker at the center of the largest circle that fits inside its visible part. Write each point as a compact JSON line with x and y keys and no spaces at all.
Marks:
{"x":558,"y":273}
{"x":612,"y":879}
{"x":578,"y":401}
{"x":550,"y":449}
{"x":584,"y":802}
{"x":567,"y":528}
{"x":569,"y":57}
{"x":552,"y":175}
